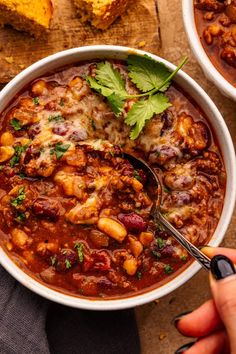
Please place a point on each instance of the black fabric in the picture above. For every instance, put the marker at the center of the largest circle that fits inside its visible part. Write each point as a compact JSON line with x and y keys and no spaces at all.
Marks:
{"x":69,"y":331}
{"x":86,"y":332}
{"x":22,"y":318}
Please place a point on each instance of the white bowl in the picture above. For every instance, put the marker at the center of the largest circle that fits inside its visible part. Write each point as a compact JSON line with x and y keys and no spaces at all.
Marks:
{"x":208,"y":68}
{"x":222,"y":134}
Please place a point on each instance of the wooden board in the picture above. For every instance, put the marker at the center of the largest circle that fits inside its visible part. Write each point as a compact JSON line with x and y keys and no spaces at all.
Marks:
{"x":138,"y":24}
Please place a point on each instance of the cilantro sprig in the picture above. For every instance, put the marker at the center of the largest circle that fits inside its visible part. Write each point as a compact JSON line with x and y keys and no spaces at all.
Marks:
{"x":150,"y":77}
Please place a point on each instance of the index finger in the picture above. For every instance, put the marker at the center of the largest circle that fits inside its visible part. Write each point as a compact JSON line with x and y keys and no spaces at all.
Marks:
{"x":213,"y":251}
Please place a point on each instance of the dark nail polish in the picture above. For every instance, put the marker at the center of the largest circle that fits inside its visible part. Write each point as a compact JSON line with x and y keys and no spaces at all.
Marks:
{"x":178,"y":317}
{"x":222,"y":267}
{"x":184,"y":348}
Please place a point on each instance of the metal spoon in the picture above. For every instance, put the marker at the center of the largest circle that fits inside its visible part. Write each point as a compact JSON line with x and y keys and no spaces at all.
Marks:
{"x":190,"y":248}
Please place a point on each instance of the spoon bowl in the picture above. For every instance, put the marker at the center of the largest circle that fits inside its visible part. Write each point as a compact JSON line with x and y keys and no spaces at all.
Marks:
{"x":157,"y":215}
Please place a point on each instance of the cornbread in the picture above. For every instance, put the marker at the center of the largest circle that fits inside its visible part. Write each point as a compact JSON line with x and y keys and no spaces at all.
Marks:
{"x":32,"y":16}
{"x":101,"y":13}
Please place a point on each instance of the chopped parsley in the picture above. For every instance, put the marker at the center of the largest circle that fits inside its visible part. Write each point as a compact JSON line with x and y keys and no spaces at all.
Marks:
{"x":184,"y":258}
{"x":68,"y":264}
{"x":18,"y":151}
{"x":168,"y":269}
{"x":59,"y":150}
{"x":139,"y":275}
{"x":93,"y":125}
{"x":21,"y":217}
{"x":36,"y":101}
{"x":2,"y":167}
{"x":19,"y":199}
{"x":111,"y":153}
{"x":22,"y":175}
{"x":136,"y":175}
{"x":166,"y":190}
{"x":55,"y":118}
{"x":160,"y":242}
{"x":80,"y":251}
{"x":156,"y":254}
{"x":15,"y":123}
{"x":53,"y":260}
{"x":62,"y":102}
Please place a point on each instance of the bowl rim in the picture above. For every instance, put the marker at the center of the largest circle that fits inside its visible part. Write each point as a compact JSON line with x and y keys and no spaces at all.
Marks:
{"x":204,"y":61}
{"x":189,"y":272}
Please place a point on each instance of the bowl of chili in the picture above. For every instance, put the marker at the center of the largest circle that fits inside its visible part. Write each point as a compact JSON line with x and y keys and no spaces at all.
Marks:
{"x":76,"y":224}
{"x":210,"y":29}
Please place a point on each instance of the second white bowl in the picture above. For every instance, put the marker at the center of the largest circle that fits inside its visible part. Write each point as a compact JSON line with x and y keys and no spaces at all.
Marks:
{"x":194,"y":41}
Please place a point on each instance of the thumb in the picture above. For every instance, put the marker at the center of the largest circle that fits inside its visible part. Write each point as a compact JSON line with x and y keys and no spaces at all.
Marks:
{"x":223,"y":287}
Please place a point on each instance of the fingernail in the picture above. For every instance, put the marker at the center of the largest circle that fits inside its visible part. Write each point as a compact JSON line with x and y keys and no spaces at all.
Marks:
{"x":184,"y":348}
{"x":222,"y":267}
{"x":176,"y":319}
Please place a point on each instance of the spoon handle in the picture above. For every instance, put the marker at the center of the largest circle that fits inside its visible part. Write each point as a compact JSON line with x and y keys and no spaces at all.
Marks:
{"x":190,"y":248}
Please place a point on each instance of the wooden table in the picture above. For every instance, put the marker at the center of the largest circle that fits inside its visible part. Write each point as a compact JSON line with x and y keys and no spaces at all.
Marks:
{"x":155,"y":26}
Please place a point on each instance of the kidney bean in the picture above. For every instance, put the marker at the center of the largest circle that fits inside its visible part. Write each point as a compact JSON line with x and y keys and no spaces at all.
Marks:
{"x":65,"y":260}
{"x":31,"y":153}
{"x":162,"y":234}
{"x":45,"y":207}
{"x":166,"y":251}
{"x":60,"y":129}
{"x":34,"y":130}
{"x":78,"y":135}
{"x":133,"y":222}
{"x":167,"y":119}
{"x":102,"y":261}
{"x":128,"y":169}
{"x":105,"y":284}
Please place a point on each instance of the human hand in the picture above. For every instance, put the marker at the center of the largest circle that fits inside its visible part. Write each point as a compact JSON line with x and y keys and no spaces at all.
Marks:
{"x":214,"y":323}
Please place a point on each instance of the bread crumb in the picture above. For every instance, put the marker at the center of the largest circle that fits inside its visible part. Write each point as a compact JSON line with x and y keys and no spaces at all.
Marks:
{"x":22,"y":66}
{"x":162,"y":336}
{"x":157,"y":301}
{"x":141,"y":44}
{"x":9,"y":246}
{"x":9,"y":60}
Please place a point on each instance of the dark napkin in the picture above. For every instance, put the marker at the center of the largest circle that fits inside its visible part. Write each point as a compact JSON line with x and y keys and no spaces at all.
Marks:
{"x":22,"y":318}
{"x":29,"y":324}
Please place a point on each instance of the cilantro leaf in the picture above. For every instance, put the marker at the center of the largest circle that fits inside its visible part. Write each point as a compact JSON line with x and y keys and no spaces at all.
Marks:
{"x":147,"y":74}
{"x":111,"y":78}
{"x":55,"y":118}
{"x":110,"y":84}
{"x":19,"y":199}
{"x":15,"y":123}
{"x":144,"y":110}
{"x":99,"y":88}
{"x":59,"y":150}
{"x":117,"y":103}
